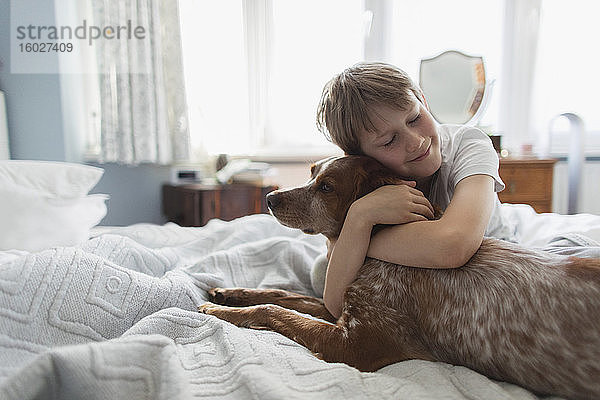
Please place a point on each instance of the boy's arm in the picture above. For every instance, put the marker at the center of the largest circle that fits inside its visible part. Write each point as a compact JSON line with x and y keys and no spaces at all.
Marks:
{"x":446,"y":243}
{"x":347,"y":256}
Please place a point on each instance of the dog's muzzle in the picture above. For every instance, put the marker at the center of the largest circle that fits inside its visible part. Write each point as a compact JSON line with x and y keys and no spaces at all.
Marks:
{"x":273,"y":200}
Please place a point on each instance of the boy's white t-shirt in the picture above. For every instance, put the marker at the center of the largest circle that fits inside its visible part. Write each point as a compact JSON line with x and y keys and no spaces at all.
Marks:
{"x":467,"y":151}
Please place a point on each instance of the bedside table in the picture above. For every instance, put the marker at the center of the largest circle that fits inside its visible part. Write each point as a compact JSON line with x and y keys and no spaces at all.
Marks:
{"x":196,"y":204}
{"x":528,"y":181}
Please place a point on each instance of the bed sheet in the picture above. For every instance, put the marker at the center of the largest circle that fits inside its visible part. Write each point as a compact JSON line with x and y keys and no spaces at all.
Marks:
{"x":539,"y":230}
{"x":116,"y":318}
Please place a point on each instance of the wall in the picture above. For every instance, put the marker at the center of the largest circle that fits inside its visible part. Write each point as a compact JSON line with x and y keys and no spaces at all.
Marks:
{"x":135,"y":193}
{"x":33,"y":101}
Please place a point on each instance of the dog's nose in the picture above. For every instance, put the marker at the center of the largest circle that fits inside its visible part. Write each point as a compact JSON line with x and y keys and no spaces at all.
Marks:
{"x":273,"y":200}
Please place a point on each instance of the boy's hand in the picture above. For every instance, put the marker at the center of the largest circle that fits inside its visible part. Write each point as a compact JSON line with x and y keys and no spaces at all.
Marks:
{"x":393,"y":205}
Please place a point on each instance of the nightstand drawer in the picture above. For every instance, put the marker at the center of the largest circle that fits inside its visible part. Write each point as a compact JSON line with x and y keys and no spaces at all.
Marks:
{"x":528,"y":181}
{"x":195,"y":204}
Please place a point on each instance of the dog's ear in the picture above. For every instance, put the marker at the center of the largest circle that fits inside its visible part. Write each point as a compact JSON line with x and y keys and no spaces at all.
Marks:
{"x":381,"y":175}
{"x":384,"y":176}
{"x":373,"y":177}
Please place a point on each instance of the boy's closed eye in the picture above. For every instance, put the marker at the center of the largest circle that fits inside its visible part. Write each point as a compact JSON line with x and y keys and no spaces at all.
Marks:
{"x":391,"y":141}
{"x":394,"y":136}
{"x":415,"y":119}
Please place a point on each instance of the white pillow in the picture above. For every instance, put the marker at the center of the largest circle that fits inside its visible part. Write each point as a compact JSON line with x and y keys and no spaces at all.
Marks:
{"x":50,"y":178}
{"x":45,"y":204}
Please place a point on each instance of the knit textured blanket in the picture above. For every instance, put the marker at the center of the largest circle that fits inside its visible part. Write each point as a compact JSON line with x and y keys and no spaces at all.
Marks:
{"x":115,"y":318}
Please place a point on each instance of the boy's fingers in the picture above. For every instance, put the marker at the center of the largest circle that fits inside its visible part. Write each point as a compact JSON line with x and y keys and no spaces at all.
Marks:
{"x":412,"y":184}
{"x":423,"y":210}
{"x":418,"y":217}
{"x":417,"y":192}
{"x":421,"y":199}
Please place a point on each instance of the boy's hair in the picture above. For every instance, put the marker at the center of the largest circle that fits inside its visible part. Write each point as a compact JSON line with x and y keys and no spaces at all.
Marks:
{"x":348,"y":99}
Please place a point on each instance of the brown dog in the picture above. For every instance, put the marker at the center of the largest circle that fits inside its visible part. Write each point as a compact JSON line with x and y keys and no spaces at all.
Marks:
{"x":512,"y":314}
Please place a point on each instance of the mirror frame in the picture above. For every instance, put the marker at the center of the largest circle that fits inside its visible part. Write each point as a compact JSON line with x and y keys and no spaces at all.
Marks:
{"x":475,"y":105}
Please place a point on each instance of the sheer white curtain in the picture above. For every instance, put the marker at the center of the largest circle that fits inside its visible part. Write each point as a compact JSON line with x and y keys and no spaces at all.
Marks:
{"x":143,"y":113}
{"x":521,"y":36}
{"x":255,"y":70}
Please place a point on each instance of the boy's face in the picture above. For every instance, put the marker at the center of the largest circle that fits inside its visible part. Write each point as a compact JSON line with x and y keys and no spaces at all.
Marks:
{"x":406,"y":141}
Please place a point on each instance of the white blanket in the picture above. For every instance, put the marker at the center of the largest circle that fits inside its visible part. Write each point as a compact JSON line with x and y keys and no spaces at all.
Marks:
{"x":116,"y":319}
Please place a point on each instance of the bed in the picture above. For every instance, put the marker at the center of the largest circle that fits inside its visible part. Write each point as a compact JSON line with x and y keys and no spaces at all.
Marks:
{"x":113,"y":315}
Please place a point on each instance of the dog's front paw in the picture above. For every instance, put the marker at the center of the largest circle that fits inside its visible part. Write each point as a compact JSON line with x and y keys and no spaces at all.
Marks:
{"x":216,"y":295}
{"x":250,"y":317}
{"x":236,"y":297}
{"x":235,"y":316}
{"x":208,"y":308}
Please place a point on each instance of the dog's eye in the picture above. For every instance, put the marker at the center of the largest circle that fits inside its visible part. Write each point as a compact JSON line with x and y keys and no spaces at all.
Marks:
{"x":325,"y":187}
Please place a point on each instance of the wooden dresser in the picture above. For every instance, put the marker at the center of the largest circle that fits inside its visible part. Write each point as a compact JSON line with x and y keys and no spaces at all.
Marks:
{"x":528,"y":181}
{"x":196,"y":204}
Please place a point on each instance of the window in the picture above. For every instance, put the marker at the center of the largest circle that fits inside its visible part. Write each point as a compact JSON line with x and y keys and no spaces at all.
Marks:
{"x":566,"y":73}
{"x":255,"y":70}
{"x":216,"y":76}
{"x":312,"y":40}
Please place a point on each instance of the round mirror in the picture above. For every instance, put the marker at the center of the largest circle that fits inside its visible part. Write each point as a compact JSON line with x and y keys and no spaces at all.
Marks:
{"x":454,"y":86}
